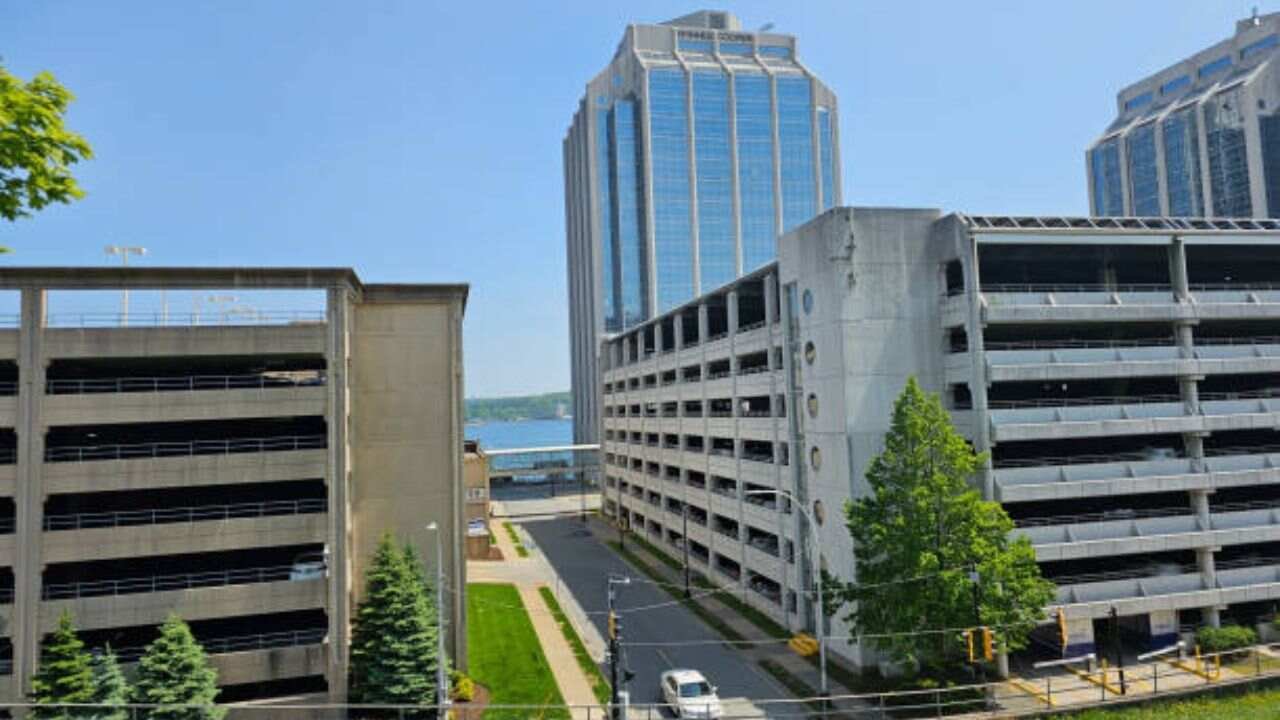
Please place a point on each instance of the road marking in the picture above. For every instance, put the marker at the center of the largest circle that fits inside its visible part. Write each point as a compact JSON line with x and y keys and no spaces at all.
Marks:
{"x":665,"y":659}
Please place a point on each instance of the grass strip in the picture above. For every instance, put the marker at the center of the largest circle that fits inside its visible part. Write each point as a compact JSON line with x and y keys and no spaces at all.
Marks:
{"x":793,"y":684}
{"x":599,"y":686}
{"x":505,"y":656}
{"x":521,"y":550}
{"x":1230,"y":705}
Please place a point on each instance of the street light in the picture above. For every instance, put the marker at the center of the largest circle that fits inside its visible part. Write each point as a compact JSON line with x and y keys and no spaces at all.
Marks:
{"x":442,"y":694}
{"x":123,"y":252}
{"x":821,"y":615}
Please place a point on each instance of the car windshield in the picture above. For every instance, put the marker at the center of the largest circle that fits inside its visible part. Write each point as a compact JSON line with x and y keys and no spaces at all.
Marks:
{"x":694,"y":689}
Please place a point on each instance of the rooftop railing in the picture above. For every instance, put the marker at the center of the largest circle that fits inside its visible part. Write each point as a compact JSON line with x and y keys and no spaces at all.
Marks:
{"x":255,"y":381}
{"x":183,"y":448}
{"x":1074,"y":287}
{"x":169,"y":319}
{"x":165,"y":583}
{"x":124,"y":518}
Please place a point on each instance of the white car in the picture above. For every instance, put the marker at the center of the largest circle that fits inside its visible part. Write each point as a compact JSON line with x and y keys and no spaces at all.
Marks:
{"x":689,"y":694}
{"x":307,"y":566}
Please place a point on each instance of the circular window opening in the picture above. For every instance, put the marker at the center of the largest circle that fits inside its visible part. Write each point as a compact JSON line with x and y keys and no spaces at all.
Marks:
{"x":806,"y":300}
{"x":815,"y":458}
{"x":810,"y":352}
{"x":819,"y":512}
{"x":812,"y":402}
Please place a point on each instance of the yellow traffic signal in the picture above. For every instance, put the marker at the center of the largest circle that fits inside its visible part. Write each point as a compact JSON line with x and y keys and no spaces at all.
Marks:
{"x":613,"y":625}
{"x":1062,"y":628}
{"x":968,"y":638}
{"x":988,"y":642}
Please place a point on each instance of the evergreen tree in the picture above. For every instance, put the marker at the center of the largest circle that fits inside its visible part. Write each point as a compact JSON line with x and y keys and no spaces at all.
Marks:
{"x":393,"y":638}
{"x":64,"y":676}
{"x":921,"y":531}
{"x":110,"y":690}
{"x":175,"y":671}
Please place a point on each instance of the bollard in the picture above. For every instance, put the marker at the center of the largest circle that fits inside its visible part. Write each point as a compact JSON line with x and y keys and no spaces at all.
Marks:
{"x":1048,"y":690}
{"x":1155,"y":679}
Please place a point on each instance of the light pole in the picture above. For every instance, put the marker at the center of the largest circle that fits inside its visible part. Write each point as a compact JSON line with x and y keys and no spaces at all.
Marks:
{"x":442,"y":689}
{"x":821,"y":615}
{"x":123,"y":252}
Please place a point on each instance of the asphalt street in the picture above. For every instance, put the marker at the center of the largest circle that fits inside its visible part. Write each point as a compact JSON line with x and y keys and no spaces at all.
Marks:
{"x":583,"y":564}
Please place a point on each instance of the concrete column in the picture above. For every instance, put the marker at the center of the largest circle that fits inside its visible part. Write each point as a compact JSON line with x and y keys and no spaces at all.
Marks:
{"x":770,"y":303}
{"x":1208,"y":574}
{"x":677,"y":326}
{"x":731,"y":308}
{"x":1178,"y":269}
{"x":29,"y":495}
{"x":704,"y":325}
{"x":337,"y":362}
{"x":657,"y":339}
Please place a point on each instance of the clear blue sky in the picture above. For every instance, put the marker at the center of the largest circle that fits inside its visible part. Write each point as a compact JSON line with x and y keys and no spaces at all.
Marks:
{"x":420,"y":141}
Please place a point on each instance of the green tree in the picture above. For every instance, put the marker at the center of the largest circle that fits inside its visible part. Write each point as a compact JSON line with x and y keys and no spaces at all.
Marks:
{"x":64,"y":676}
{"x":918,"y":535}
{"x":393,"y":638}
{"x":174,"y":671}
{"x":36,"y":151}
{"x":110,"y":690}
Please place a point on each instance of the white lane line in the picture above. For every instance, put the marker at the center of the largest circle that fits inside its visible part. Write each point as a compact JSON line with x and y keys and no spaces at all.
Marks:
{"x":666,"y":659}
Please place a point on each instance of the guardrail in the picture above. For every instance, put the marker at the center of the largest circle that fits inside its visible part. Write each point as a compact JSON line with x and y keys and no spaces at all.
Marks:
{"x":163,"y":583}
{"x":126,"y":518}
{"x":168,"y":319}
{"x":179,"y":383}
{"x":998,"y":345}
{"x":240,"y":643}
{"x":1143,"y":513}
{"x":1262,"y":394}
{"x":1073,"y":287}
{"x":183,"y":448}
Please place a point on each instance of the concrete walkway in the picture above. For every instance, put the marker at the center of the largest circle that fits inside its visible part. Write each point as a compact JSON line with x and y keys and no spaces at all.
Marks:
{"x":528,"y":574}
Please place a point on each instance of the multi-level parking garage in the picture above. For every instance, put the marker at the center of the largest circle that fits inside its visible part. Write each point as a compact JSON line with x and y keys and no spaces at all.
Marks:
{"x":212,"y":467}
{"x":1122,"y":374}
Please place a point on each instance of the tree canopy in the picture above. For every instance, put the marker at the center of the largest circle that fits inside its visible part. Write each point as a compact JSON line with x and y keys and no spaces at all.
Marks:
{"x":65,"y":675}
{"x":174,"y":671}
{"x":110,"y":689}
{"x":919,"y":534}
{"x":36,"y":149}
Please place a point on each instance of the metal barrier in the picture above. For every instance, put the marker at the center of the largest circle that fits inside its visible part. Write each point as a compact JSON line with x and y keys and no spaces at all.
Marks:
{"x":242,"y":317}
{"x":163,"y":583}
{"x":183,"y":448}
{"x":241,"y":643}
{"x":125,"y":518}
{"x":255,"y":381}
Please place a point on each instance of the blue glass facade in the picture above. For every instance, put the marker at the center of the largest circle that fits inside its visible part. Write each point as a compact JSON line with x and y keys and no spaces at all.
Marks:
{"x":755,"y":169}
{"x":1228,"y":163}
{"x":717,"y":256}
{"x":1269,"y":138}
{"x":795,"y":146}
{"x":1107,"y":193}
{"x":628,"y":214}
{"x":736,"y":48}
{"x":608,"y":236}
{"x":1182,"y":164}
{"x":672,"y":214}
{"x":1144,"y":183}
{"x":827,"y":157}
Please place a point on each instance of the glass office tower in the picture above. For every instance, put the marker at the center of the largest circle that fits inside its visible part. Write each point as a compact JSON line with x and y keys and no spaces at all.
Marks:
{"x":689,"y":154}
{"x":1198,"y":139}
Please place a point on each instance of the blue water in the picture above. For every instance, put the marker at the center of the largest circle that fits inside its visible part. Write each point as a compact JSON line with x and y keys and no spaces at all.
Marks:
{"x":520,"y":433}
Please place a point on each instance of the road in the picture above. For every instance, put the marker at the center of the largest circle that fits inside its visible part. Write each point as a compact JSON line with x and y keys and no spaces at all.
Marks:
{"x":583,"y":563}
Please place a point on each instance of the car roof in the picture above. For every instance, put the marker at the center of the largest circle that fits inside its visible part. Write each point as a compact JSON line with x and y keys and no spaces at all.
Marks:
{"x":684,"y":675}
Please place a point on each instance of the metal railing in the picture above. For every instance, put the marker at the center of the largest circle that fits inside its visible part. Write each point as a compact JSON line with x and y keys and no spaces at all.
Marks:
{"x":1072,"y":344}
{"x":754,"y":370}
{"x":240,"y":643}
{"x":1140,"y":514}
{"x":1260,"y":394}
{"x":170,"y":319}
{"x":183,"y":448}
{"x":125,"y":518}
{"x":1074,"y":287}
{"x":163,"y":583}
{"x":255,"y":381}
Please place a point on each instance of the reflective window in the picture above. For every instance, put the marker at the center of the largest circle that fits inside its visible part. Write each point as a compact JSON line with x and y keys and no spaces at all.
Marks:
{"x":795,"y":139}
{"x":1269,"y":125}
{"x":628,"y":213}
{"x":694,"y":45}
{"x":1182,"y":164}
{"x":755,"y":169}
{"x":1175,"y":85}
{"x":1225,"y":146}
{"x":716,"y":255}
{"x":608,"y":240}
{"x":825,"y":155}
{"x":1104,"y":161}
{"x":1254,"y":48}
{"x":736,"y":48}
{"x":1138,"y":101}
{"x":781,"y":51}
{"x":1144,"y":183}
{"x":1216,"y":66}
{"x":672,"y":216}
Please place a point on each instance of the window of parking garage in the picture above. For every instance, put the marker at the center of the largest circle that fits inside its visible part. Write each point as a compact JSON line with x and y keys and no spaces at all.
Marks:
{"x":221,"y":635}
{"x":717,"y":316}
{"x":1239,"y":386}
{"x":1098,"y":509}
{"x":668,"y":377}
{"x":757,"y":450}
{"x":722,"y":446}
{"x":693,"y":443}
{"x":1107,"y":391}
{"x":1242,"y":442}
{"x":693,"y":408}
{"x":1120,"y":567}
{"x":1106,"y":449}
{"x":724,"y":486}
{"x":689,"y":326}
{"x":668,"y":325}
{"x":76,"y":511}
{"x":141,"y":440}
{"x":720,"y":407}
{"x":1028,"y":336}
{"x":752,"y":363}
{"x":718,"y":369}
{"x":756,"y":406}
{"x":691,"y":373}
{"x":179,"y":307}
{"x":1064,"y":268}
{"x":1237,"y":332}
{"x":751,"y":310}
{"x":107,"y":375}
{"x":1212,"y":267}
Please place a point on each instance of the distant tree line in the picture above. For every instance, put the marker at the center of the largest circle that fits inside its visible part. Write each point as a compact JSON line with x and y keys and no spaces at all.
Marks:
{"x":523,"y":407}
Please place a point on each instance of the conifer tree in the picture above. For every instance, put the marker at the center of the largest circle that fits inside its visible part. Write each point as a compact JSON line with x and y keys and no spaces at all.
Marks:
{"x":174,"y":671}
{"x":64,"y":675}
{"x":393,"y":640}
{"x":110,"y":690}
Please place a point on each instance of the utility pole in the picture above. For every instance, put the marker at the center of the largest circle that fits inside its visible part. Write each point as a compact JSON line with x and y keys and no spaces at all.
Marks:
{"x":977,"y":617}
{"x":615,"y":650}
{"x":1115,"y":646}
{"x":442,"y":687}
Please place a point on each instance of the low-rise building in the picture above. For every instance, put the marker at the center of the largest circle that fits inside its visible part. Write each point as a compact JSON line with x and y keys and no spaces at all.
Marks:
{"x":1123,"y":374}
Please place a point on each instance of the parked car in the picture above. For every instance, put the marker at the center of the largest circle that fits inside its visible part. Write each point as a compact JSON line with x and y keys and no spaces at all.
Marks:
{"x":689,"y":695}
{"x":308,"y":566}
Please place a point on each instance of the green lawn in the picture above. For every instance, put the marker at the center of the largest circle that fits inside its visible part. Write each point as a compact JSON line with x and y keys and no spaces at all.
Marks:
{"x":515,"y":540}
{"x":505,"y":655}
{"x":1264,"y":705}
{"x":599,"y":685}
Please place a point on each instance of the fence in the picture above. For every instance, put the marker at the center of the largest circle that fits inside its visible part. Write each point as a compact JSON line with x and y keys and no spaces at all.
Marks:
{"x":123,"y":518}
{"x":256,"y":381}
{"x":162,"y":583}
{"x":183,"y":448}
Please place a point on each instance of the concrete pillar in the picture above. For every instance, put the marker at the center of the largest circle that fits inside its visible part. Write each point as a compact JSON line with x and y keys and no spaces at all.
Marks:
{"x":704,"y":323}
{"x":1178,"y":270}
{"x":29,"y":493}
{"x":731,"y":308}
{"x":337,"y":360}
{"x":1209,"y":575}
{"x":677,"y":326}
{"x":657,"y":338}
{"x":770,"y":300}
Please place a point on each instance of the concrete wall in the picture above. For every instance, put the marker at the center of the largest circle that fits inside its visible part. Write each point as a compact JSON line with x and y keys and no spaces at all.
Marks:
{"x":406,"y":438}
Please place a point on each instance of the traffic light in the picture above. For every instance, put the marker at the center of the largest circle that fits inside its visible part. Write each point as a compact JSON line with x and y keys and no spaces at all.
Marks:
{"x":968,"y":638}
{"x":988,"y":643}
{"x":1062,"y":628}
{"x":613,"y":625}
